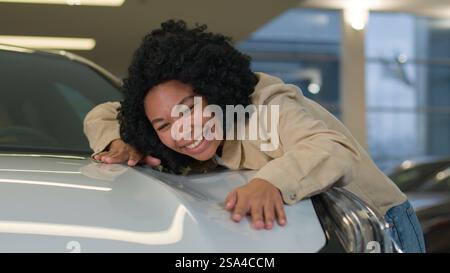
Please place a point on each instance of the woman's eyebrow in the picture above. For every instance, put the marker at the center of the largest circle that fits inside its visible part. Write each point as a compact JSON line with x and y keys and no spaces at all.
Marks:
{"x":186,"y":98}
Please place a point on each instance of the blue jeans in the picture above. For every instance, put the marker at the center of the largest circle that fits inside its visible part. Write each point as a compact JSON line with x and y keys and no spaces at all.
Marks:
{"x":405,"y":228}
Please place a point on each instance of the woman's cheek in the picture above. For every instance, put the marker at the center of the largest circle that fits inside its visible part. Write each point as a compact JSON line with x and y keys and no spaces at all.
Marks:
{"x":167,"y":140}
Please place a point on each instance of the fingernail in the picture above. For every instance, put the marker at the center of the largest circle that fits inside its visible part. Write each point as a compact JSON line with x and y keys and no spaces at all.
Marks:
{"x":283,"y":222}
{"x":228,"y":205}
{"x":259,"y":224}
{"x":236,"y":217}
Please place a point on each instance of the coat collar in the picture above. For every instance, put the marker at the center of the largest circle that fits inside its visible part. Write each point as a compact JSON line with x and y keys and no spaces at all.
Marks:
{"x":232,"y":149}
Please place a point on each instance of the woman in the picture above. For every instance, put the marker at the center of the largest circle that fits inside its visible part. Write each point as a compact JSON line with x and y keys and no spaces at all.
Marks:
{"x":173,"y":66}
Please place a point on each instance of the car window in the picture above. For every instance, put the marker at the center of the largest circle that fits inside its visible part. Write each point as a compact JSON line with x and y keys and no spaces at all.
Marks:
{"x":412,"y":178}
{"x":441,"y":182}
{"x":78,"y":102}
{"x":44,"y":99}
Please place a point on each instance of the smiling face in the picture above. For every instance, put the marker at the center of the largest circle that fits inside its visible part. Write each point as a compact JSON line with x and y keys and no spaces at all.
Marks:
{"x":158,"y":105}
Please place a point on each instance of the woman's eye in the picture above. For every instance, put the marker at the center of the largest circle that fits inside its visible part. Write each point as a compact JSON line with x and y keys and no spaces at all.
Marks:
{"x":164,"y":126}
{"x":188,"y":111}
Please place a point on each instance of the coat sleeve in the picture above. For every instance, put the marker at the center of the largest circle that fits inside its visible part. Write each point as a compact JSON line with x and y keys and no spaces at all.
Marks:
{"x":314,"y":157}
{"x":101,"y":126}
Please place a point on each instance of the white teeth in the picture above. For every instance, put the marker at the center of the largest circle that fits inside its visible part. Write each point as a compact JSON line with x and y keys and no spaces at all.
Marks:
{"x":195,"y":144}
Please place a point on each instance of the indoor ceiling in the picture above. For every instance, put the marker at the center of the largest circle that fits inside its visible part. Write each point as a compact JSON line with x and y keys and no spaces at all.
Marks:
{"x":434,"y":8}
{"x":118,"y":30}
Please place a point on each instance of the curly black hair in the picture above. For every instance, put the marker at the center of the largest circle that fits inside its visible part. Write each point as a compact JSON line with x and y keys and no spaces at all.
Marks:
{"x":206,"y":61}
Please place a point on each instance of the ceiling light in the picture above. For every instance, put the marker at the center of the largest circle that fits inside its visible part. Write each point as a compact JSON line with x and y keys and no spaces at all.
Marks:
{"x":314,"y":88}
{"x":49,"y":42}
{"x":357,"y":14}
{"x":112,"y":3}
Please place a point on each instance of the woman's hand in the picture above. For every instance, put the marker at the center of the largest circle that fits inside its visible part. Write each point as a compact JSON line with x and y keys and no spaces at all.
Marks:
{"x":261,"y":200}
{"x":120,"y":152}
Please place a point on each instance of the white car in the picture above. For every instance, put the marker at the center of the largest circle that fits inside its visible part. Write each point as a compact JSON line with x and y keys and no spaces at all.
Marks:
{"x":54,"y":198}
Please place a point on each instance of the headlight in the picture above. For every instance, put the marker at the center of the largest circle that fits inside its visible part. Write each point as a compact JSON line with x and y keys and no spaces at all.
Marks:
{"x":352,"y":223}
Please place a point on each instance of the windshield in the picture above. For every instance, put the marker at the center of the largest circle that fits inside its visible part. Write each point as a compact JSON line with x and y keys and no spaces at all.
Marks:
{"x":413,"y":178}
{"x":440,"y":183}
{"x":44,"y":99}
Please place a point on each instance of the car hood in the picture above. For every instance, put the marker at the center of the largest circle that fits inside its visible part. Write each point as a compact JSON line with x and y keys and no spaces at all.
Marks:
{"x":70,"y":204}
